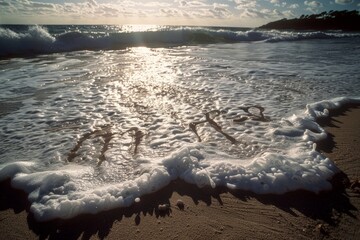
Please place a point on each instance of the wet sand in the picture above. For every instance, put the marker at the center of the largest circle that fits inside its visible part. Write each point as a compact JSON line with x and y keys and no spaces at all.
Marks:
{"x":217,"y":214}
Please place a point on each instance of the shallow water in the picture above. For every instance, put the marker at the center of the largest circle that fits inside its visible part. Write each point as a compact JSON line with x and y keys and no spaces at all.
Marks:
{"x":86,"y":131}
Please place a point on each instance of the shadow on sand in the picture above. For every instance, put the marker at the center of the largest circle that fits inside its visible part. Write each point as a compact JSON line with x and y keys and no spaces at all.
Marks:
{"x":315,"y":206}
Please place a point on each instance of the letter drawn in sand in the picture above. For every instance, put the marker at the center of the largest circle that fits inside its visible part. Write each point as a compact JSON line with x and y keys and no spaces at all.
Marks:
{"x":259,"y":116}
{"x":193,"y":125}
{"x":217,"y":127}
{"x":213,"y":124}
{"x":137,"y":136}
{"x":107,"y":137}
{"x":106,"y":133}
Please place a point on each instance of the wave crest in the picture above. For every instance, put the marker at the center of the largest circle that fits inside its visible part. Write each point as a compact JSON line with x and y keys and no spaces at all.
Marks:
{"x":38,"y":40}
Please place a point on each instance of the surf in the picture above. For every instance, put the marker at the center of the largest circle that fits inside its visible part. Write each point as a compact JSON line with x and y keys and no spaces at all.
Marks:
{"x":20,"y":41}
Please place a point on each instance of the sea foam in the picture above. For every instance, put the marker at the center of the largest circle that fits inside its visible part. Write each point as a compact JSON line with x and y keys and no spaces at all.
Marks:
{"x":88,"y":131}
{"x":58,"y":193}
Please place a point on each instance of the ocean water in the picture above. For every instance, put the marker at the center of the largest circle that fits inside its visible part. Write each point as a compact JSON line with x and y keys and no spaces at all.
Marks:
{"x":94,"y":117}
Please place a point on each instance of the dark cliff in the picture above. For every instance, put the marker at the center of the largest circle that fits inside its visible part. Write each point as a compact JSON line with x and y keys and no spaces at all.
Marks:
{"x":333,"y":20}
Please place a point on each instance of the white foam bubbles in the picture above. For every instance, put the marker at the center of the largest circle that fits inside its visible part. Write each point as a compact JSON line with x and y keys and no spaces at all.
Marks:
{"x":73,"y":151}
{"x":322,"y":108}
{"x":60,"y":194}
{"x":9,"y":170}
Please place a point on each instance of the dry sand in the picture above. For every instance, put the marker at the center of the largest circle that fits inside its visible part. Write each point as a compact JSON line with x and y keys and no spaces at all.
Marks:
{"x":217,"y":214}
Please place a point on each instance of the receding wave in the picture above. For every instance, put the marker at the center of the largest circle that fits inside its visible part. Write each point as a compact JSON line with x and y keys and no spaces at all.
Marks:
{"x":38,"y":40}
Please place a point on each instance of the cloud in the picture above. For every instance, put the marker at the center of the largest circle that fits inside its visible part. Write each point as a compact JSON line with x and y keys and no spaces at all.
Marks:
{"x":343,"y":2}
{"x":246,"y":3}
{"x":278,"y":3}
{"x":2,"y":3}
{"x":250,"y":13}
{"x":265,"y":13}
{"x":96,"y":10}
{"x":274,"y":1}
{"x":251,"y":9}
{"x":254,"y":11}
{"x":313,"y":4}
{"x":294,"y":6}
{"x":151,"y":11}
{"x":43,"y":5}
{"x":87,"y":9}
{"x":93,"y":3}
{"x":169,"y":12}
{"x":220,"y":10}
{"x":184,"y":3}
{"x":289,"y":14}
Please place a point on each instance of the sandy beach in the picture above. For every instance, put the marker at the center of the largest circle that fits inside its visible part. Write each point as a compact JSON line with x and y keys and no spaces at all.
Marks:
{"x":219,"y":213}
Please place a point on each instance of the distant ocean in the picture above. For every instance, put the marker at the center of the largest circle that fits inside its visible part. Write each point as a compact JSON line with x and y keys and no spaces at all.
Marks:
{"x":94,"y":117}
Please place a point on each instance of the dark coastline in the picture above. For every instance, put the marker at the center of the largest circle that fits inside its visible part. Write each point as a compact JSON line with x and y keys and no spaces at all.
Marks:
{"x":326,"y":21}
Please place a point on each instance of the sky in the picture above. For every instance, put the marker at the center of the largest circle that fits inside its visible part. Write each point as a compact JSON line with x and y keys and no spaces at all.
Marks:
{"x":238,"y":13}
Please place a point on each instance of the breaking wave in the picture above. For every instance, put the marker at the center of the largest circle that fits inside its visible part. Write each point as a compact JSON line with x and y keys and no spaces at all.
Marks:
{"x":32,"y":40}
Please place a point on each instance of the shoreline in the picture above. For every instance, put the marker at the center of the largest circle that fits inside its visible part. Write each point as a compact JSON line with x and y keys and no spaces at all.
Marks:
{"x":217,"y":213}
